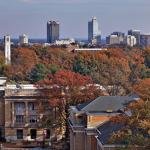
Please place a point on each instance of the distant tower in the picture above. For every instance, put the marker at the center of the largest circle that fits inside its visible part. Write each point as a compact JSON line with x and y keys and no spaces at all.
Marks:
{"x":52,"y":31}
{"x":94,"y":34}
{"x":23,"y":40}
{"x":7,"y":44}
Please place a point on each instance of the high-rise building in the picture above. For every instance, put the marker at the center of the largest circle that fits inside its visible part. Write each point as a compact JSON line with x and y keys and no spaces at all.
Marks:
{"x":135,"y":33}
{"x":52,"y":31}
{"x":112,"y":39}
{"x":145,"y":40}
{"x":23,"y":39}
{"x":7,"y":45}
{"x":130,"y":40}
{"x":115,"y":38}
{"x":94,"y":34}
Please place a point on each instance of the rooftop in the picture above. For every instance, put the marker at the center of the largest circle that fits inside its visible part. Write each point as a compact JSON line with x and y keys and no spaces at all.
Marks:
{"x":107,"y":104}
{"x":107,"y":129}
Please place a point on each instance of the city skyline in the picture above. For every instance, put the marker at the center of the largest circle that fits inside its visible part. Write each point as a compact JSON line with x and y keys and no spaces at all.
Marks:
{"x":30,"y":16}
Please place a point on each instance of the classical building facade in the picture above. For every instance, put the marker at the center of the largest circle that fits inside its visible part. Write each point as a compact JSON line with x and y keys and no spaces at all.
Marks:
{"x":20,"y":114}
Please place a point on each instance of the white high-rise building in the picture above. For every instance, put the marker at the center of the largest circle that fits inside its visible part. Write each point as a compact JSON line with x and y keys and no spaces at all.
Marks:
{"x":136,"y":34}
{"x":7,"y":44}
{"x":94,"y":34}
{"x":23,"y":39}
{"x":131,"y":40}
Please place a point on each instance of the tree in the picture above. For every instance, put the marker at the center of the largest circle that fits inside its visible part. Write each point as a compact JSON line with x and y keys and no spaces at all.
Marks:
{"x":136,"y":131}
{"x":39,"y":72}
{"x":147,"y":57}
{"x":66,"y":88}
{"x":143,"y":89}
{"x":23,"y":61}
{"x":2,"y":63}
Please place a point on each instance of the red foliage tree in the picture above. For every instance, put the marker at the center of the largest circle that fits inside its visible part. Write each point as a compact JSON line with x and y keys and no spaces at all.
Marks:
{"x":66,"y":88}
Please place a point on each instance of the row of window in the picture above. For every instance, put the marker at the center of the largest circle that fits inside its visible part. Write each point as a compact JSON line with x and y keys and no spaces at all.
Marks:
{"x":21,"y":119}
{"x":20,"y":107}
{"x":33,"y":134}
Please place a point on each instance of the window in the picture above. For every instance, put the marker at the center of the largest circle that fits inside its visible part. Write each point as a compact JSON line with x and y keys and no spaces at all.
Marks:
{"x":19,"y":119}
{"x":33,"y":133}
{"x":33,"y":119}
{"x":31,"y":106}
{"x":19,"y":108}
{"x":47,"y":133}
{"x":19,"y":134}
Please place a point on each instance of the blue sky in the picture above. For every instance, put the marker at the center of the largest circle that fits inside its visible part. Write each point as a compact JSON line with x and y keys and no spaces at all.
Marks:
{"x":30,"y":16}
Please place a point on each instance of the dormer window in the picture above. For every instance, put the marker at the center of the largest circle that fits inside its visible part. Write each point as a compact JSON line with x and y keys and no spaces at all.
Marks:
{"x":109,"y":110}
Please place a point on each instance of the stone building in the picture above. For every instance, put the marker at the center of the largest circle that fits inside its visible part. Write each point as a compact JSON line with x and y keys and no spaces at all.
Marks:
{"x":20,"y":115}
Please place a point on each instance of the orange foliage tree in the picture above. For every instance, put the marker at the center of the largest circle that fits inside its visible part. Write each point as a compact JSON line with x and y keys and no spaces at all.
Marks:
{"x":66,"y":88}
{"x":136,"y":131}
{"x":23,"y":60}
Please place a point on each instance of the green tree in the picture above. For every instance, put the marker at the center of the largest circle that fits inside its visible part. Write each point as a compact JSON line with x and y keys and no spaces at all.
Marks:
{"x":38,"y":73}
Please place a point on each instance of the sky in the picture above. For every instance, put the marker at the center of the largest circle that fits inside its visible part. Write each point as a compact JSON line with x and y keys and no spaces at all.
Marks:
{"x":30,"y":16}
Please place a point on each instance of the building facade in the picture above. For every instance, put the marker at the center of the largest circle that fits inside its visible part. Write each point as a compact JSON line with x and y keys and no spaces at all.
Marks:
{"x":145,"y":40}
{"x":136,"y":34}
{"x":21,"y":117}
{"x":64,"y":42}
{"x":94,"y":34}
{"x":52,"y":31}
{"x":116,"y":38}
{"x":130,"y":40}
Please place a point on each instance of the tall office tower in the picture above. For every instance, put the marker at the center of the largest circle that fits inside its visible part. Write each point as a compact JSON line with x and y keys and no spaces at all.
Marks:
{"x":52,"y":31}
{"x":135,"y":33}
{"x":23,"y":39}
{"x":130,"y":40}
{"x":94,"y":34}
{"x":7,"y":44}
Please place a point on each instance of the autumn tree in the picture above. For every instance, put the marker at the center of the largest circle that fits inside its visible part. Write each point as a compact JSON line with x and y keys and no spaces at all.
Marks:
{"x":53,"y":55}
{"x":108,"y":68}
{"x":147,"y":57}
{"x":136,"y":132}
{"x":2,"y":63}
{"x":23,"y":61}
{"x":65,"y":88}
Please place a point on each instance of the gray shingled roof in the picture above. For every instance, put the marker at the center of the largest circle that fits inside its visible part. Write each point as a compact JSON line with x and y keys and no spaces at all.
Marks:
{"x":106,"y":103}
{"x":107,"y":129}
